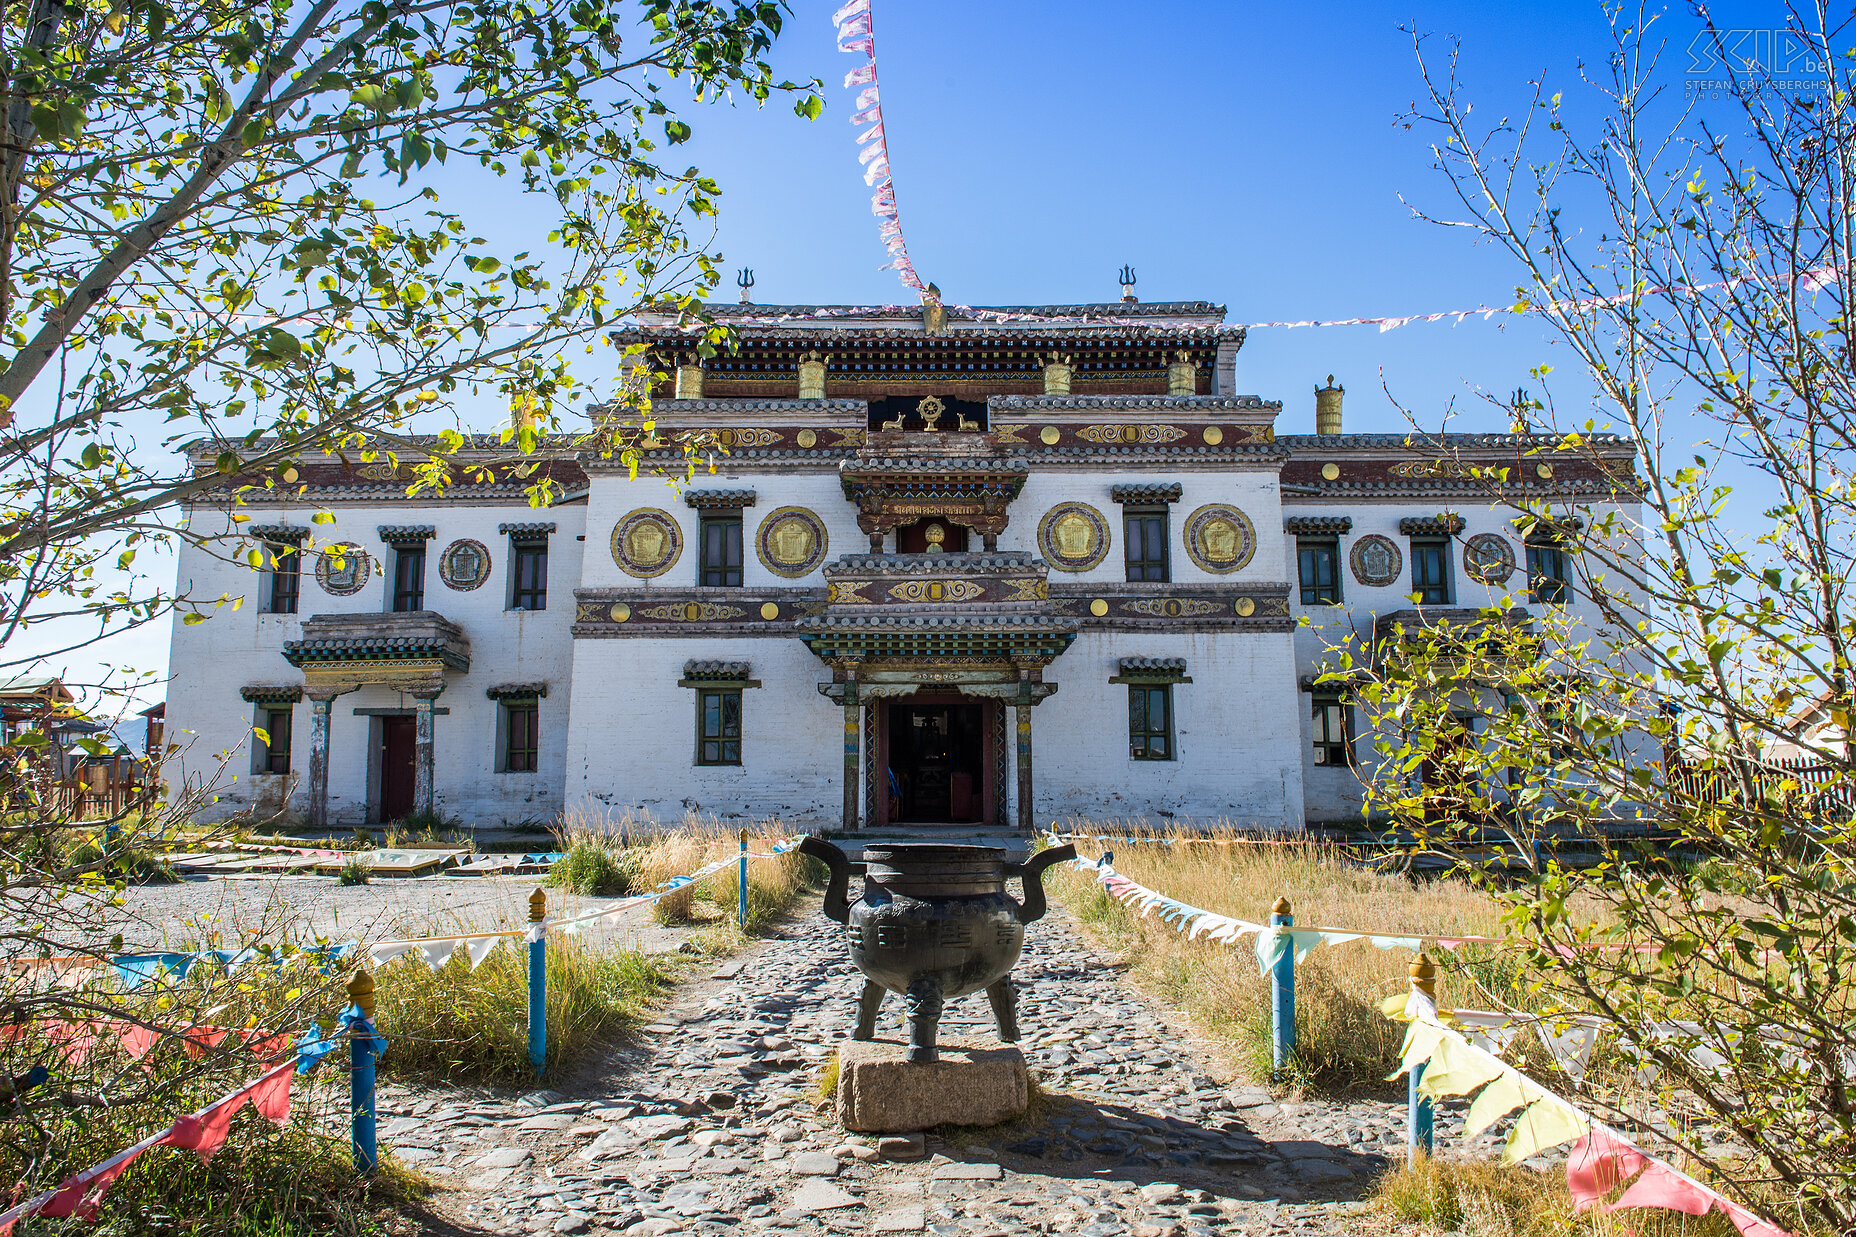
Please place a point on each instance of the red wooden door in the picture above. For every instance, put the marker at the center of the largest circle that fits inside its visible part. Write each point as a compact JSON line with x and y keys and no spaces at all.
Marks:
{"x":398,"y":737}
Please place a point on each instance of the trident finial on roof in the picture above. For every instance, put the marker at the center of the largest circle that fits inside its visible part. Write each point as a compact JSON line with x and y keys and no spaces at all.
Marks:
{"x":744,"y":279}
{"x":1127,"y":284}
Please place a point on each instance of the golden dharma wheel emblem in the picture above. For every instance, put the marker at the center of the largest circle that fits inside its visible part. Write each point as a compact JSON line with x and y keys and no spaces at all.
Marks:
{"x":1049,"y":435}
{"x":1330,"y":472}
{"x":1246,"y":607}
{"x":1544,"y":471}
{"x":769,"y":611}
{"x":1098,"y":607}
{"x":807,"y":438}
{"x":1213,"y":435}
{"x":620,"y":612}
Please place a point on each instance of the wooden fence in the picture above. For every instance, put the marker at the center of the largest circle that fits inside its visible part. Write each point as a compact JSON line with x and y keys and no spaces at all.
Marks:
{"x":1828,"y":787}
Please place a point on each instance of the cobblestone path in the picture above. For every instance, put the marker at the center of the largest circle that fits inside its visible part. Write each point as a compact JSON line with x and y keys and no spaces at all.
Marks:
{"x":712,"y":1124}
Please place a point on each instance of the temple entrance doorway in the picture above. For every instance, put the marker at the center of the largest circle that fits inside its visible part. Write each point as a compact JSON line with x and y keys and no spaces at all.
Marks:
{"x":398,"y":740}
{"x":938,"y":761}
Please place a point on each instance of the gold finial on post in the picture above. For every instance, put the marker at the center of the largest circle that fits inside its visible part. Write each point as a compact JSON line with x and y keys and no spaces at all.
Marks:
{"x":537,"y":906}
{"x":1281,"y":907}
{"x":361,"y":992}
{"x":1424,"y":975}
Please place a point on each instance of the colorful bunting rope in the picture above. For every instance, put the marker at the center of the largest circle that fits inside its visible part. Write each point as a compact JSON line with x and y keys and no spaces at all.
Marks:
{"x":1601,"y":1159}
{"x":857,"y":34}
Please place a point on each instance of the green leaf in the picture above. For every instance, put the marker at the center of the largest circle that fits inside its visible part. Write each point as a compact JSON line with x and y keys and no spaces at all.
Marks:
{"x":809,"y":107}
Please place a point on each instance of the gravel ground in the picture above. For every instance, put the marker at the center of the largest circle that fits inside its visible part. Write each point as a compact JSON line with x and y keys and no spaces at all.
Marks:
{"x":709,"y":1124}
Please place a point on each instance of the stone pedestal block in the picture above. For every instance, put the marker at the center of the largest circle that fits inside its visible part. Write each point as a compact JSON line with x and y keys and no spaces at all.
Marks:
{"x":881,"y":1093}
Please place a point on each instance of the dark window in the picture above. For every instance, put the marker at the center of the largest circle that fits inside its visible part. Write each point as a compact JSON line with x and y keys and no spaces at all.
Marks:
{"x":1333,"y":731}
{"x":1546,"y":569}
{"x":718,"y":727}
{"x":287,"y":579}
{"x":719,"y":561}
{"x":409,"y":577}
{"x":1146,"y":543}
{"x":1319,"y":562}
{"x":521,"y":735}
{"x":1430,"y":571}
{"x":528,"y":576}
{"x":1150,"y":722}
{"x":274,"y":755}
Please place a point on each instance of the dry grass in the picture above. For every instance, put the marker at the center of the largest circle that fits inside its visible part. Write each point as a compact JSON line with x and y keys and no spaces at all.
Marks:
{"x":1490,"y":1200}
{"x":1343,"y":1041}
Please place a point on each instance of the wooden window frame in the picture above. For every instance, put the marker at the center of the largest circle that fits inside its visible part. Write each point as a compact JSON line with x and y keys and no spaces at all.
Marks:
{"x":718,"y":749}
{"x":272,"y":758}
{"x":402,"y":598}
{"x":1312,"y":594}
{"x":1541,"y":550}
{"x":514,"y":756}
{"x":1447,"y":586}
{"x":729,"y":573}
{"x":1140,"y":739}
{"x":519,"y":550}
{"x":284,"y":591}
{"x":1146,"y":566}
{"x":1327,"y":747}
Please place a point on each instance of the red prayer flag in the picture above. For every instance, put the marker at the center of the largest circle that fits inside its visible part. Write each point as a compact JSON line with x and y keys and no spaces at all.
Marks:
{"x":82,"y":1193}
{"x":137,"y":1041}
{"x":1597,"y":1163}
{"x":270,"y":1095}
{"x":1662,"y":1186}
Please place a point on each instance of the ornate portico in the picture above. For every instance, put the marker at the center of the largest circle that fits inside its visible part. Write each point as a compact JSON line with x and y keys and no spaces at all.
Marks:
{"x":410,"y":652}
{"x":901,"y":477}
{"x":936,"y":631}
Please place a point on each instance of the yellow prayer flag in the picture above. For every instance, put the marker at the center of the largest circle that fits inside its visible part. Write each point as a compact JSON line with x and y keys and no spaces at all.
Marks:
{"x":1394,"y":1006}
{"x":1545,"y":1124}
{"x":1497,"y":1100}
{"x":1421,"y":1040}
{"x":1457,"y":1069}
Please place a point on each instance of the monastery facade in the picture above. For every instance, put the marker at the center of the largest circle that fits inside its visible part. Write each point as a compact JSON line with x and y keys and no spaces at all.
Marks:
{"x":990,"y":567}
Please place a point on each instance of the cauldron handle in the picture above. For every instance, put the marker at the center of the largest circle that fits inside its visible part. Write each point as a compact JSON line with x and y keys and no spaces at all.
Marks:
{"x":837,"y":905}
{"x":1032,"y":908}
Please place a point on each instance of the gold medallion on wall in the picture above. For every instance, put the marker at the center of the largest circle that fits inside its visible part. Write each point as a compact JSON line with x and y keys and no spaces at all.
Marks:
{"x":343,"y":570}
{"x":1073,"y":536}
{"x":791,"y":542}
{"x":464,"y":565}
{"x":646,"y":543}
{"x":1220,"y":538}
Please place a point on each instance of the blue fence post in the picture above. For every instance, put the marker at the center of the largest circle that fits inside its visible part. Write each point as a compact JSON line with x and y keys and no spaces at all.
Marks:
{"x":362,"y":1049}
{"x":1282,"y":995}
{"x":1419,"y":1126}
{"x":741,"y":897}
{"x":538,"y":982}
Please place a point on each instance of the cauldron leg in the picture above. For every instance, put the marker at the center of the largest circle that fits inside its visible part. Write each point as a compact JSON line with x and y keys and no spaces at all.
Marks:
{"x":1004,"y":1000}
{"x":924,"y":1002}
{"x":867,"y":1005}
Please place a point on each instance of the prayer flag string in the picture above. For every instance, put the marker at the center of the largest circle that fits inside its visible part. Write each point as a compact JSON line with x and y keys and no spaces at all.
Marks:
{"x":857,"y":34}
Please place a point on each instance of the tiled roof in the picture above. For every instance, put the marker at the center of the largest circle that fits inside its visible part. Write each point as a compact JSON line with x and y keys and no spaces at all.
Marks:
{"x":272,"y":693}
{"x":276,"y":532}
{"x":1146,"y":492}
{"x":717,"y":671}
{"x":516,"y":691}
{"x":939,"y":465}
{"x":661,"y":408}
{"x":1318,"y":525}
{"x":406,"y":534}
{"x":368,"y":648}
{"x":1153,"y":665}
{"x":1432,"y":525}
{"x":526,"y":530}
{"x":706,"y":500}
{"x":1091,"y":309}
{"x":1128,"y":403}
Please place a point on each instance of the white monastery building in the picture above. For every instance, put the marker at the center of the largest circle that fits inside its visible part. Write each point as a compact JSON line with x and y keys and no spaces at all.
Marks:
{"x":987,"y":567}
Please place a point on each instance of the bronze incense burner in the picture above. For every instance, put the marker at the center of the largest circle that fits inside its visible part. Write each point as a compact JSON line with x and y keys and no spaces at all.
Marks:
{"x":934,"y":923}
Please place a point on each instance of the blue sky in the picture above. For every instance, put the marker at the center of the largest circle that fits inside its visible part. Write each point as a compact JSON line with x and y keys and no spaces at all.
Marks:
{"x":1251,"y":155}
